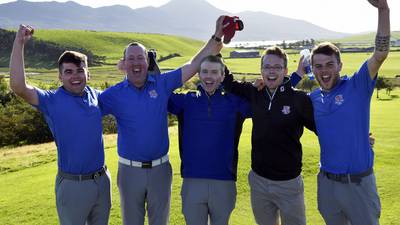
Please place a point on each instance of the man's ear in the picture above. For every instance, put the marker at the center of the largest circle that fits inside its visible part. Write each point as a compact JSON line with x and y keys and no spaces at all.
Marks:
{"x":121,"y":65}
{"x":88,"y":75}
{"x":340,"y":66}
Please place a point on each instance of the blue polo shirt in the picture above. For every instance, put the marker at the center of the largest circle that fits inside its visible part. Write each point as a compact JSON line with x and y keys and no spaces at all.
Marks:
{"x":141,"y":115}
{"x":342,"y":120}
{"x":210,"y":127}
{"x":75,"y":122}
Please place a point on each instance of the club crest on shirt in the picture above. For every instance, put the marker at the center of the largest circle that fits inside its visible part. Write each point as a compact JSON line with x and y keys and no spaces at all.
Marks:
{"x":339,"y":99}
{"x":153,"y":94}
{"x":286,"y":109}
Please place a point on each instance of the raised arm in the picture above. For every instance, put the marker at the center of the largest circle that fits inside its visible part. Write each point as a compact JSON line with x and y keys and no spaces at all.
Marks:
{"x":382,"y":40}
{"x":242,"y":89}
{"x":17,"y":69}
{"x":213,"y":47}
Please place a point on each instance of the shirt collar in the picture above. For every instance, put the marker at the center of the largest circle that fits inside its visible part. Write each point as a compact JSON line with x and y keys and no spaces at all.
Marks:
{"x":337,"y":85}
{"x":65,"y":91}
{"x":286,"y":85}
{"x":150,"y":79}
{"x":219,"y":90}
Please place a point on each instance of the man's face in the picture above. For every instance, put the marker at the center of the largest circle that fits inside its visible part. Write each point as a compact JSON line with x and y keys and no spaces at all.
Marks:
{"x":210,"y":76}
{"x":135,"y":65}
{"x":273,"y":71}
{"x":74,"y":77}
{"x":326,"y":69}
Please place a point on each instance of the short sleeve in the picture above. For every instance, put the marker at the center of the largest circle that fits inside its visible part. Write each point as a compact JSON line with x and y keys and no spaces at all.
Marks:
{"x":176,"y":103}
{"x":44,"y":100}
{"x":172,"y":79}
{"x":106,"y":101}
{"x":362,"y":80}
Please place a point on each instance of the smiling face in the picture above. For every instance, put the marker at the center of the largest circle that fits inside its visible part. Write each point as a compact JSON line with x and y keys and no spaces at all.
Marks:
{"x":326,"y":69}
{"x":273,"y":71}
{"x":211,"y":76}
{"x":135,"y":65}
{"x":73,"y":71}
{"x":326,"y":64}
{"x":74,"y":77}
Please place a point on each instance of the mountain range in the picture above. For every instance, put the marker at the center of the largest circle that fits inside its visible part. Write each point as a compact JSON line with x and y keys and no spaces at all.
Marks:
{"x":190,"y":18}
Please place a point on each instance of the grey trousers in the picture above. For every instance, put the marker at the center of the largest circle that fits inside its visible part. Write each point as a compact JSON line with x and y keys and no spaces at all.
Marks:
{"x":142,"y":189}
{"x":86,"y":202}
{"x":206,"y":200}
{"x":352,"y":203}
{"x":270,"y":198}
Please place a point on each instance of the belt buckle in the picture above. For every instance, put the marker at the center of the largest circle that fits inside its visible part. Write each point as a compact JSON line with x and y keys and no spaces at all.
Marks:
{"x":147,"y":165}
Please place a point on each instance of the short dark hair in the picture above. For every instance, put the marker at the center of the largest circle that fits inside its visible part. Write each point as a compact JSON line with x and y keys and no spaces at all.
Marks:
{"x":214,"y":59}
{"x":326,"y":48}
{"x":134,"y":44}
{"x":76,"y":58}
{"x":275,"y":50}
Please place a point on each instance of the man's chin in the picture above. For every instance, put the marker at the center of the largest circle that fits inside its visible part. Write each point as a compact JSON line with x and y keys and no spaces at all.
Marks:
{"x":326,"y":86}
{"x":75,"y":90}
{"x":272,"y":86}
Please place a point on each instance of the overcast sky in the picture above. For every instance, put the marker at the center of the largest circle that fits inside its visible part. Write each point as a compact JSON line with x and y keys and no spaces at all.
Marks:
{"x":351,"y":16}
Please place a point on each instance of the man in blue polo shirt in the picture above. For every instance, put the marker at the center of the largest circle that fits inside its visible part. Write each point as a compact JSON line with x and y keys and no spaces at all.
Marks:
{"x":83,"y":194}
{"x":346,"y":183}
{"x":210,"y":123}
{"x":139,"y":104}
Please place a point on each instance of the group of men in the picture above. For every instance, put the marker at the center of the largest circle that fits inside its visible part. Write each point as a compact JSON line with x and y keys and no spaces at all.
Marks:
{"x":210,"y":122}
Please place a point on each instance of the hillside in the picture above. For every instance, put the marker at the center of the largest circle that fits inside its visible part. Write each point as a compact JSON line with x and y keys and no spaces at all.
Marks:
{"x":197,"y":20}
{"x":107,"y":45}
{"x":112,"y":44}
{"x":364,"y":38}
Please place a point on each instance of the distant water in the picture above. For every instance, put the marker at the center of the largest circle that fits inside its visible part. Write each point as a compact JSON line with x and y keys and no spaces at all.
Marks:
{"x":251,"y":44}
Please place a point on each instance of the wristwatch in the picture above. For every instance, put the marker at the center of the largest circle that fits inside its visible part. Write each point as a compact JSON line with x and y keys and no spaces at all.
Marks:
{"x":215,"y":38}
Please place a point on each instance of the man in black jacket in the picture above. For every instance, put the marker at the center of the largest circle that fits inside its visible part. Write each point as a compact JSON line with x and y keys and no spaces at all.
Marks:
{"x":280,"y":114}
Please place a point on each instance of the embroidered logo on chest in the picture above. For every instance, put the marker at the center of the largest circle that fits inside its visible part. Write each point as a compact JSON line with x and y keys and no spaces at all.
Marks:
{"x":339,"y":99}
{"x":286,"y":109}
{"x":153,"y":94}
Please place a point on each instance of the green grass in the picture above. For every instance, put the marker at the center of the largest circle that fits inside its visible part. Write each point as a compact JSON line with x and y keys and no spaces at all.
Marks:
{"x":27,"y":186}
{"x":109,"y":73}
{"x":351,"y":62}
{"x":112,"y":44}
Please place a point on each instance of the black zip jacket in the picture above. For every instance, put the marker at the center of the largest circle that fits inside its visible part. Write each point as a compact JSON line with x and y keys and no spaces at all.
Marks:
{"x":279,"y":119}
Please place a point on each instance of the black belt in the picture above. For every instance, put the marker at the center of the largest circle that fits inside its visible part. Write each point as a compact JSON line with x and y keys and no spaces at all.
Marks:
{"x":347,"y":178}
{"x":91,"y":176}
